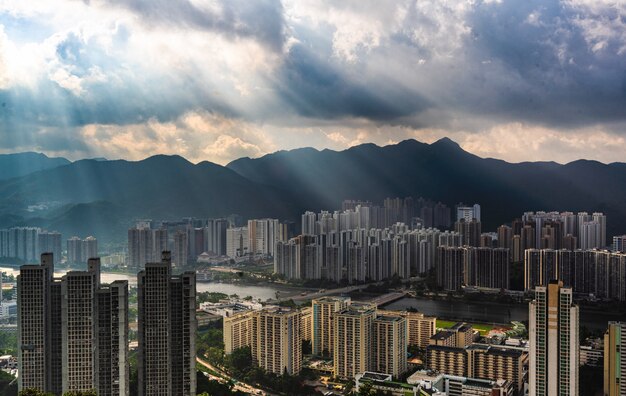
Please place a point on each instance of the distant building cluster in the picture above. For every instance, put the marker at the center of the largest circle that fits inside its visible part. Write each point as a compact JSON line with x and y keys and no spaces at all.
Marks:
{"x":79,"y":251}
{"x":28,"y":243}
{"x":480,"y":267}
{"x":600,"y":273}
{"x":553,"y":230}
{"x":208,"y":240}
{"x":341,"y":246}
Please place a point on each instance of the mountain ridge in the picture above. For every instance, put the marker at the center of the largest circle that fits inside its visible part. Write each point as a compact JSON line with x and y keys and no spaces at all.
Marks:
{"x":107,"y":195}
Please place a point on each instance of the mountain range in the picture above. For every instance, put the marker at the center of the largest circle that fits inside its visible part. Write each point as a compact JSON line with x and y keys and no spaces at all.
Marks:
{"x":102,"y":197}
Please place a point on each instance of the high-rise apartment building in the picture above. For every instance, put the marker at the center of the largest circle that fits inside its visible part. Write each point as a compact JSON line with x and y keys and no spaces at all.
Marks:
{"x":239,"y":331}
{"x":180,"y":251}
{"x":74,"y":251}
{"x":73,"y":331}
{"x":615,"y":360}
{"x":306,"y":323}
{"x":469,"y":230}
{"x":215,"y":236}
{"x":79,"y":251}
{"x":167,"y":326}
{"x":237,"y":243}
{"x":324,"y":311}
{"x":420,"y":327}
{"x":389,"y":346}
{"x":468,"y":213}
{"x":554,"y":342}
{"x":49,"y":242}
{"x":34,"y":309}
{"x":145,"y":245}
{"x":619,"y":243}
{"x":279,"y":338}
{"x":262,"y":236}
{"x":353,"y":340}
{"x":20,"y":243}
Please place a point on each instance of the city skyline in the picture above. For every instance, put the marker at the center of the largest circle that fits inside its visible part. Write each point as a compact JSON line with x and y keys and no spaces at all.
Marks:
{"x":309,"y":197}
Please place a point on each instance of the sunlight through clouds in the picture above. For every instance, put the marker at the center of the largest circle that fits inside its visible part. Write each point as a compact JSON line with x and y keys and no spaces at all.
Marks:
{"x":220,"y":79}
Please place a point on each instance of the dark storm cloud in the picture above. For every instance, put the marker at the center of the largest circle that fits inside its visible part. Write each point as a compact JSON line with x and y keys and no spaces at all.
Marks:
{"x":316,"y":88}
{"x":261,"y":20}
{"x":454,"y":66}
{"x":550,"y":71}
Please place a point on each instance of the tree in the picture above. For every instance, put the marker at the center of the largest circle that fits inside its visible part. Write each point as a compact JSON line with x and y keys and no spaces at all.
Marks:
{"x":365,"y":389}
{"x":33,"y":392}
{"x":241,"y":359}
{"x":81,"y":393}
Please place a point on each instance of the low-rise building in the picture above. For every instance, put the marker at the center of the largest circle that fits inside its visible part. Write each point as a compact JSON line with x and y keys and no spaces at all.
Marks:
{"x":384,"y":383}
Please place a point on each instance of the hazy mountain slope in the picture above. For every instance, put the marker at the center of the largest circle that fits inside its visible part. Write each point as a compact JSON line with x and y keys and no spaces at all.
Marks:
{"x":20,"y":164}
{"x":443,"y":171}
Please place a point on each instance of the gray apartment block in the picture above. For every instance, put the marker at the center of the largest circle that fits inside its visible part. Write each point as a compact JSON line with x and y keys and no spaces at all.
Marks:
{"x":167,"y":326}
{"x":73,"y":331}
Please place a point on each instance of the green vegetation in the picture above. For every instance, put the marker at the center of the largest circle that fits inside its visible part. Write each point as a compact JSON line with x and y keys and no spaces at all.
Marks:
{"x":239,"y":364}
{"x":482,"y":328}
{"x":208,"y":387}
{"x":8,"y":343}
{"x":212,"y":297}
{"x":7,"y":294}
{"x":33,"y":392}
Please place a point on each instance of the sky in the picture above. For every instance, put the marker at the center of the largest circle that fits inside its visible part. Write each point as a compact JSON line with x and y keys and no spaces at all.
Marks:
{"x":519,"y":80}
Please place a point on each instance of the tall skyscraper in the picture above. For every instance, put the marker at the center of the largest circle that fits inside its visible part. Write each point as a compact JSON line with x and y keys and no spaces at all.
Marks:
{"x":389,"y":345}
{"x":469,"y":230}
{"x":215,"y":236}
{"x":324,"y":310}
{"x":468,"y":213}
{"x":619,"y":243}
{"x":145,"y":245}
{"x":74,"y":250}
{"x":615,"y":360}
{"x":353,"y":340}
{"x":279,"y":341}
{"x":34,"y":308}
{"x":554,"y":343}
{"x":49,"y":242}
{"x":262,"y":236}
{"x":179,"y":251}
{"x":237,"y":244}
{"x":73,"y":331}
{"x":79,"y":251}
{"x":167,"y":326}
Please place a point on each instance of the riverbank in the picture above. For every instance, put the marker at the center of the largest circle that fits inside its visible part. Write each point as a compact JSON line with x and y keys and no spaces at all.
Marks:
{"x":495,"y":313}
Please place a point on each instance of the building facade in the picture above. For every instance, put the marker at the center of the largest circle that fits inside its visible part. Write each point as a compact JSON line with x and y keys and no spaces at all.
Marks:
{"x":167,"y":327}
{"x":615,"y":359}
{"x":553,"y":336}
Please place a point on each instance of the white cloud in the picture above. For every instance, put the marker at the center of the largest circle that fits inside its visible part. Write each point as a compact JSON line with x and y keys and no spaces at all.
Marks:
{"x":246,"y":79}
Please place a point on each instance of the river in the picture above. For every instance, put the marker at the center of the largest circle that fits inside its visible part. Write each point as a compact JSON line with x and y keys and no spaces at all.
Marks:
{"x":256,"y":292}
{"x":453,"y":310}
{"x":493,"y":312}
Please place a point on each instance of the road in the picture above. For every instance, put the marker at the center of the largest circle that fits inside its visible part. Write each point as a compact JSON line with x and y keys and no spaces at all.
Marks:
{"x":239,"y":386}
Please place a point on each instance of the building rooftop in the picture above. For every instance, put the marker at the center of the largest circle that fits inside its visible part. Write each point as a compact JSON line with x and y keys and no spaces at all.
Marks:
{"x":442,"y":335}
{"x":461,"y":327}
{"x":445,"y":348}
{"x":388,"y":318}
{"x":377,"y":376}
